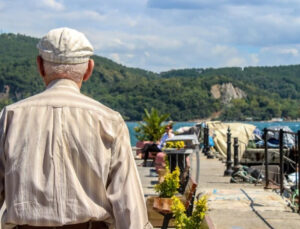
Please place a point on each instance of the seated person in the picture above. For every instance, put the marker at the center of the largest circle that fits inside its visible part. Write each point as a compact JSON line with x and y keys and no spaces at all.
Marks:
{"x":152,"y":147}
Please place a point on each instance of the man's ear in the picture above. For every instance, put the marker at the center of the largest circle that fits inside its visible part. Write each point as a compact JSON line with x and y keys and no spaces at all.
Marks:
{"x":89,"y":70}
{"x":40,"y":65}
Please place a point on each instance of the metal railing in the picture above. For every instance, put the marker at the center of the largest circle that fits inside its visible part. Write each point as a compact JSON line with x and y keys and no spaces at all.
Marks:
{"x":282,"y":158}
{"x":203,"y":135}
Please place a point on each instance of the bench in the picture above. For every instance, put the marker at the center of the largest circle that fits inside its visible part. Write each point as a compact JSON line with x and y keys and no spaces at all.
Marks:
{"x":139,"y":146}
{"x":187,"y":199}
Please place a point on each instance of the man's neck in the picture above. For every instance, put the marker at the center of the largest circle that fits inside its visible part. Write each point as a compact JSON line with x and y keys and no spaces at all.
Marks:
{"x":47,"y":81}
{"x":63,"y":83}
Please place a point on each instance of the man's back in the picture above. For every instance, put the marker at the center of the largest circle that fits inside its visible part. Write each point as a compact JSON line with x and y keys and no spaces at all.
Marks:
{"x":67,"y":160}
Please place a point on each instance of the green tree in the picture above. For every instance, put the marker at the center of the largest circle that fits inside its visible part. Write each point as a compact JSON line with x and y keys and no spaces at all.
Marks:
{"x":185,"y":93}
{"x":4,"y":102}
{"x":152,"y":127}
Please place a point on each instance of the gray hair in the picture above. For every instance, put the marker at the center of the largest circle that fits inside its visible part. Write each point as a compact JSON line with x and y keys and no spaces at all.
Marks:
{"x":71,"y":71}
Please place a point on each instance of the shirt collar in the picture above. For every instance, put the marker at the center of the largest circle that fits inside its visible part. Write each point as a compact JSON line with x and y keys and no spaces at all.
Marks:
{"x":63,"y":83}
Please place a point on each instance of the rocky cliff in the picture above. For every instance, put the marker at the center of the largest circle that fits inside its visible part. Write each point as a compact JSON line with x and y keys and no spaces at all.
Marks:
{"x":226,"y":92}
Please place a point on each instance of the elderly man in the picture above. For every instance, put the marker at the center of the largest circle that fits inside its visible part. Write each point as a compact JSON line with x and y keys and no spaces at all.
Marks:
{"x":65,"y":159}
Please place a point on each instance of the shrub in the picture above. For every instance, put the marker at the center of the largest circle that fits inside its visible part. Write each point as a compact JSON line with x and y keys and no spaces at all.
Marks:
{"x":169,"y":187}
{"x":152,"y":127}
{"x":182,"y":221}
{"x":175,"y":144}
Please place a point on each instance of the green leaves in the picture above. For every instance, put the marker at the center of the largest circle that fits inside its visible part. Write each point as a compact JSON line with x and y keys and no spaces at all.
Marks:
{"x":169,"y":186}
{"x":152,"y":127}
{"x":184,"y":93}
{"x":182,"y":221}
{"x":4,"y":102}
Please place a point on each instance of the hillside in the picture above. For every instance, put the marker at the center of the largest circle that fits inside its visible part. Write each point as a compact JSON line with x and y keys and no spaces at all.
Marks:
{"x":185,"y":94}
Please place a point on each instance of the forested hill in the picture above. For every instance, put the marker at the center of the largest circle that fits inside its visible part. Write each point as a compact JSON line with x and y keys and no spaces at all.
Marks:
{"x":260,"y":93}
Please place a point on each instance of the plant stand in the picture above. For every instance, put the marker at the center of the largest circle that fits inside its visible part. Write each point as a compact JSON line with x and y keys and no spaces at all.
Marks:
{"x":163,"y":206}
{"x":167,"y":218}
{"x":155,"y":217}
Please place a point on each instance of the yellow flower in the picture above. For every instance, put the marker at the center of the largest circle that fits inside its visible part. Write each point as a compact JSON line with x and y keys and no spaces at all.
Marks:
{"x":175,"y":144}
{"x":170,"y":185}
{"x":182,"y":221}
{"x":179,"y":144}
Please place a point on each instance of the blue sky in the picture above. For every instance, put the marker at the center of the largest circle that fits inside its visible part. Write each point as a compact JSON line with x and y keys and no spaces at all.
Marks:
{"x":160,"y":35}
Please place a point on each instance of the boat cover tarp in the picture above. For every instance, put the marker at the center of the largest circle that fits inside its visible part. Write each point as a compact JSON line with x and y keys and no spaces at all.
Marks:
{"x":244,"y":132}
{"x":273,"y":137}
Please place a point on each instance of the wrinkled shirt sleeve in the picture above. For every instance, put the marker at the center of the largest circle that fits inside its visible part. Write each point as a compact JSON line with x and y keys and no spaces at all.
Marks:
{"x":124,"y":187}
{"x":2,"y":157}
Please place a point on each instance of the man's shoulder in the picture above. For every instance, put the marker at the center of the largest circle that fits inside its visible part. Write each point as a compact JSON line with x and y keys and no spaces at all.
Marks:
{"x":95,"y":106}
{"x":72,"y":101}
{"x":21,"y":103}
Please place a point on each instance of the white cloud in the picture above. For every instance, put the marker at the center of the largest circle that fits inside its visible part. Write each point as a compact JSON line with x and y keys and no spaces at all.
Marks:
{"x":170,"y":33}
{"x":132,"y":22}
{"x":290,"y":51}
{"x":254,"y":59}
{"x":115,"y":57}
{"x":93,"y":15}
{"x":118,"y":41}
{"x":281,"y":51}
{"x":219,"y":50}
{"x":236,"y":62}
{"x":54,"y":4}
{"x":279,"y":55}
{"x":130,"y":56}
{"x":2,"y":5}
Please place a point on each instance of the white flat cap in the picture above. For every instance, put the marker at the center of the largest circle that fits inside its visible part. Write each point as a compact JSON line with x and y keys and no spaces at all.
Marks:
{"x":65,"y":46}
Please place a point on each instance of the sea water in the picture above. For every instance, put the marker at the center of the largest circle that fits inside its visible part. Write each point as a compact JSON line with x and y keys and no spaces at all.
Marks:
{"x":132,"y":133}
{"x":294,"y":126}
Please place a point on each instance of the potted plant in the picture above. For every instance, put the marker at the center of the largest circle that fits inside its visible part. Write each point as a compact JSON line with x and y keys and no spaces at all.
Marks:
{"x":182,"y":221}
{"x":152,"y":127}
{"x":175,"y":145}
{"x":166,"y":189}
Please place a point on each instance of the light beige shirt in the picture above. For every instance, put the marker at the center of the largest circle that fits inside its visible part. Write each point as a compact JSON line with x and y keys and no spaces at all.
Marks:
{"x":66,"y":159}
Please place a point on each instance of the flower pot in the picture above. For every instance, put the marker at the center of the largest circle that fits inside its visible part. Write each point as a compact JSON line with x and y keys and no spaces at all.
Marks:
{"x":162,"y":204}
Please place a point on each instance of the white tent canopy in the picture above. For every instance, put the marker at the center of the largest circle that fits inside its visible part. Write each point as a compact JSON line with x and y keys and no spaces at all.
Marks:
{"x":244,"y":132}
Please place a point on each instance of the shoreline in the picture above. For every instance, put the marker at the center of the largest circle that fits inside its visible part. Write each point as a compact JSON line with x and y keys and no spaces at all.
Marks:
{"x":294,"y":125}
{"x":207,"y":120}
